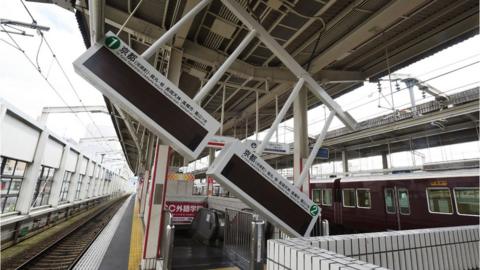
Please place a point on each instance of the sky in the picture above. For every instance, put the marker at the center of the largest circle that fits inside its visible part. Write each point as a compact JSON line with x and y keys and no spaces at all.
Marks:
{"x":22,"y":85}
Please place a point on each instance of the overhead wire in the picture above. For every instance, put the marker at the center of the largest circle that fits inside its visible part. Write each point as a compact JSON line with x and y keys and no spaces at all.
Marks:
{"x":37,"y":67}
{"x":55,"y":58}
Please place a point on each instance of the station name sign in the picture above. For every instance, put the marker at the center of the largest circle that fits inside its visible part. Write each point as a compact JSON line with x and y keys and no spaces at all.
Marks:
{"x":261,"y":187}
{"x":138,"y":88}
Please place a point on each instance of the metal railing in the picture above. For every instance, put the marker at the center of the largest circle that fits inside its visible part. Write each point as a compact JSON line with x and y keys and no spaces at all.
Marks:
{"x":244,"y":239}
{"x":166,"y":248}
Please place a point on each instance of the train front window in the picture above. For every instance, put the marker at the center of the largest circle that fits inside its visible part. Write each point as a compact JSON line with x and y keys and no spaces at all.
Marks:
{"x":316,"y":196}
{"x":389,"y":204}
{"x":327,"y":196}
{"x":363,"y":198}
{"x":349,"y":198}
{"x":467,"y":201}
{"x":439,"y":200}
{"x":403,"y":201}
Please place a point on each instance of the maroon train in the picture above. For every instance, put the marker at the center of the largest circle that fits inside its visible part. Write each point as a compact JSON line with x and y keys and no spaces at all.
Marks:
{"x":399,"y":201}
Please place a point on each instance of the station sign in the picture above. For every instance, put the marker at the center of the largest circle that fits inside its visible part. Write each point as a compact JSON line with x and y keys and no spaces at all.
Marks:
{"x":218,"y":142}
{"x":261,"y":187}
{"x":132,"y":83}
{"x":323,"y":153}
{"x":271,"y":147}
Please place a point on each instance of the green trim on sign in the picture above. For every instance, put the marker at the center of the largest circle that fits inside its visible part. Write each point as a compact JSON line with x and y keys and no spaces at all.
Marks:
{"x":314,"y":210}
{"x":113,"y":42}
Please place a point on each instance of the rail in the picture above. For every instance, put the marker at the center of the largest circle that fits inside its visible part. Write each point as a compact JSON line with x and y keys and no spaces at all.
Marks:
{"x":82,"y":225}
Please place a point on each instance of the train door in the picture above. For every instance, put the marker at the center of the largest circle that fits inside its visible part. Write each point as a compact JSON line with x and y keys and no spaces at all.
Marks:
{"x":337,"y":202}
{"x":397,"y":206}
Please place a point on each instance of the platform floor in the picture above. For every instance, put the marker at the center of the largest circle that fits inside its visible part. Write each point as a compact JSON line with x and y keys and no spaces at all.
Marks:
{"x":189,"y":254}
{"x":125,"y":246}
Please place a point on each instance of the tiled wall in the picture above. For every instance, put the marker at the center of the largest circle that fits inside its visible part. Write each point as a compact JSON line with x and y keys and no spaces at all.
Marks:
{"x":440,"y":248}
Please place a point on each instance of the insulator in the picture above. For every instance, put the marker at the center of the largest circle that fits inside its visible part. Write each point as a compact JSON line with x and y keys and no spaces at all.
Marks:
{"x":397,"y":86}
{"x":379,"y":86}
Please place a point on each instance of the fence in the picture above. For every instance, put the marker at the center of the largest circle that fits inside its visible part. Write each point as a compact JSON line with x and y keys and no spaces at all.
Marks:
{"x":244,"y":239}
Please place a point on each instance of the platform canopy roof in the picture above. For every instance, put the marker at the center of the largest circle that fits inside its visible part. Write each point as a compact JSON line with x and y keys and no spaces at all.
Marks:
{"x":341,"y":43}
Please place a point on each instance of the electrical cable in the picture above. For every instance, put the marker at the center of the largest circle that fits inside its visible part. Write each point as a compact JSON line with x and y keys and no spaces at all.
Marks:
{"x":48,"y":83}
{"x":65,"y":74}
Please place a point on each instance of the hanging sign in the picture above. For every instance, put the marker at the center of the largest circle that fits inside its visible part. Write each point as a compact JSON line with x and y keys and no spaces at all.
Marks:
{"x":138,"y":88}
{"x":271,"y":147}
{"x":261,"y":187}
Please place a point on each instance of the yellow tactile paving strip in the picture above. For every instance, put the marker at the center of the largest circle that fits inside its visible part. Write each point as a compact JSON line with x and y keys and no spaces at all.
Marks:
{"x":136,"y":240}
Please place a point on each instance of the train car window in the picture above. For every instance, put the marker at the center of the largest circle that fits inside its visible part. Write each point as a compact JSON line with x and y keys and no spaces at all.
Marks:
{"x":349,"y":198}
{"x":327,"y":196}
{"x":466,"y":200}
{"x":317,"y":195}
{"x":363,"y":198}
{"x":389,"y":204}
{"x":403,"y":201}
{"x":439,"y":200}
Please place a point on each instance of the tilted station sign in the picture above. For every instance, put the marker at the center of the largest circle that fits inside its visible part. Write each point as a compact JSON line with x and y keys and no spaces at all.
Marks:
{"x":260,"y":186}
{"x":132,"y":83}
{"x":138,"y":88}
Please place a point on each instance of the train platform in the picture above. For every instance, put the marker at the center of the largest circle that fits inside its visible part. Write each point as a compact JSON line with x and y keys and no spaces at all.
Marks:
{"x":120,"y":245}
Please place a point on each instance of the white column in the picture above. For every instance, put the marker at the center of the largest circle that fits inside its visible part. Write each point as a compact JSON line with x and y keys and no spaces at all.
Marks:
{"x":92,"y":181}
{"x":155,"y":203}
{"x":31,"y":176}
{"x":58,"y":179}
{"x":85,"y":180}
{"x":74,"y":180}
{"x":3,"y":112}
{"x":344,"y":161}
{"x":300,"y":133}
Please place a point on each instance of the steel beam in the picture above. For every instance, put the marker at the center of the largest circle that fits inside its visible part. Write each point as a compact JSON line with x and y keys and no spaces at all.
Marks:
{"x":289,"y":62}
{"x":97,"y":20}
{"x":471,"y":107}
{"x":377,"y":23}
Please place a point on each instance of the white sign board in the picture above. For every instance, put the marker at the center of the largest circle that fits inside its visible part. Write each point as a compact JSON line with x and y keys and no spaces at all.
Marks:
{"x":138,"y":88}
{"x":258,"y":185}
{"x":271,"y":148}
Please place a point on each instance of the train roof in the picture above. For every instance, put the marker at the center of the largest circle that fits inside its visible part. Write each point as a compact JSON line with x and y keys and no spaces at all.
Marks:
{"x":403,"y":176}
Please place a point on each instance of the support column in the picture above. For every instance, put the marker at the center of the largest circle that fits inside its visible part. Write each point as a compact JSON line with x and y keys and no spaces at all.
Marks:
{"x":211,"y":158}
{"x":92,"y":181}
{"x":58,"y":179}
{"x":31,"y":176}
{"x":146,"y":177}
{"x":155,"y":203}
{"x":86,"y":179}
{"x":344,"y":161}
{"x":74,"y":180}
{"x":300,"y":144}
{"x":384,"y":160}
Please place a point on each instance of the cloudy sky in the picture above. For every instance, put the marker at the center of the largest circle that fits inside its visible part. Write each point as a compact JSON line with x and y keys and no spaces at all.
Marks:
{"x":22,"y":85}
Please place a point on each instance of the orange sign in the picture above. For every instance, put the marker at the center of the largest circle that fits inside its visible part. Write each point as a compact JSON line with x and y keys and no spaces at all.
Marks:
{"x":439,"y":183}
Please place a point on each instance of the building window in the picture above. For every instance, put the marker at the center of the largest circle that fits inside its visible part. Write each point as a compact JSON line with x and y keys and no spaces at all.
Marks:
{"x":403,"y":201}
{"x":65,"y":185}
{"x":439,"y":200}
{"x":327,"y":197}
{"x":11,"y":172}
{"x":79,"y":187}
{"x":363,"y":198}
{"x":467,"y":201}
{"x":44,"y":185}
{"x":316,"y":195}
{"x":349,"y":198}
{"x":389,"y":201}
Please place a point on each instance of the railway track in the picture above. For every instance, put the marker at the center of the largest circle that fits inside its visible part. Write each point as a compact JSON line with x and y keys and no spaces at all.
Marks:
{"x":64,"y":251}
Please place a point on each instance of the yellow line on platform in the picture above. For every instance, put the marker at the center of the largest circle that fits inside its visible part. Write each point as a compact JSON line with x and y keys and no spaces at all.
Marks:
{"x":136,"y":240}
